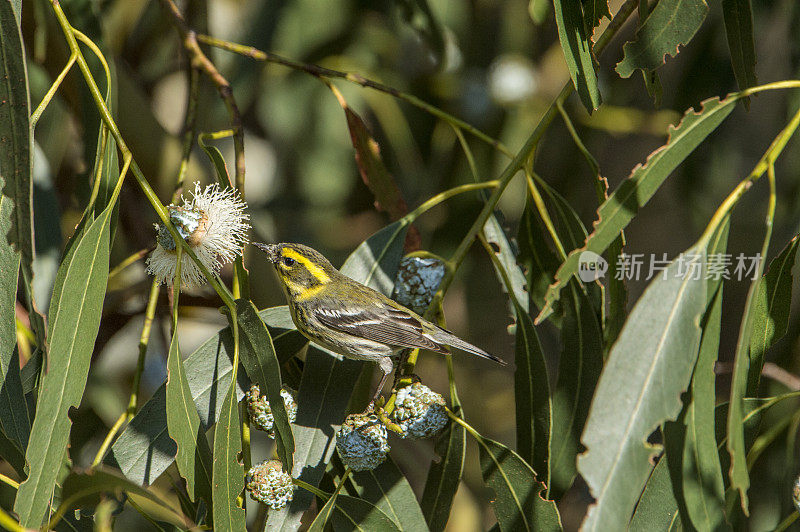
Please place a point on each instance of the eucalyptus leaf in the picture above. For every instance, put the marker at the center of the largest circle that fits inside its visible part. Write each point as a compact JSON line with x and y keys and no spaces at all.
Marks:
{"x":738,"y":16}
{"x":621,"y":206}
{"x":356,"y":514}
{"x":74,"y":323}
{"x":261,"y":363}
{"x":444,"y":474}
{"x":652,"y":361}
{"x":193,"y":456}
{"x":577,"y":47}
{"x":670,"y":25}
{"x":228,"y":473}
{"x":534,"y":406}
{"x":387,"y":489}
{"x":144,"y":450}
{"x":518,"y":501}
{"x":579,"y":369}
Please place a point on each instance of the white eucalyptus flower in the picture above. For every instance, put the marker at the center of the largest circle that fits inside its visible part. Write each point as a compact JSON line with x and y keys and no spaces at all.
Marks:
{"x":214,"y":225}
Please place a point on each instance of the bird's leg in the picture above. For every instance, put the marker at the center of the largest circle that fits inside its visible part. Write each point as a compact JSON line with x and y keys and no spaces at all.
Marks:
{"x":386,"y":366}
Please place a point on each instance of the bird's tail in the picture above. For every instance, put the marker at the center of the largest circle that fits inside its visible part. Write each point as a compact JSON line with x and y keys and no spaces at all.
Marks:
{"x":446,"y":337}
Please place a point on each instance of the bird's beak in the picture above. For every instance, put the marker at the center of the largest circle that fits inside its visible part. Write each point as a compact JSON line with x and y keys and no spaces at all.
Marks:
{"x":271,"y":250}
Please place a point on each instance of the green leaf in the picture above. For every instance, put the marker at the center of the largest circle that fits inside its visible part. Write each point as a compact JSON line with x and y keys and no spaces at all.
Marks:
{"x":14,"y":420}
{"x":577,"y":49}
{"x":15,"y":137}
{"x":228,"y":473}
{"x":738,"y":15}
{"x":621,"y":207}
{"x":518,"y":501}
{"x":579,"y":369}
{"x":652,"y":361}
{"x":357,"y":514}
{"x":670,"y":25}
{"x":768,"y":308}
{"x":444,"y":474}
{"x":321,"y":405}
{"x":83,"y":488}
{"x":771,"y":308}
{"x":538,"y":260}
{"x":259,"y":360}
{"x":532,"y":395}
{"x":390,"y":492}
{"x":323,"y":516}
{"x":690,"y":442}
{"x":183,"y":423}
{"x":74,"y":322}
{"x":16,"y":141}
{"x":144,"y":450}
{"x":507,"y":260}
{"x":657,"y":510}
{"x":594,"y":11}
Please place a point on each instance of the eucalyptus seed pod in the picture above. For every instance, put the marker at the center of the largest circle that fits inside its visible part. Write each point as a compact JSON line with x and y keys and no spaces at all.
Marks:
{"x":419,"y":411}
{"x":260,"y":412}
{"x":268,"y":483}
{"x":362,"y":442}
{"x":418,"y":279}
{"x":796,"y":493}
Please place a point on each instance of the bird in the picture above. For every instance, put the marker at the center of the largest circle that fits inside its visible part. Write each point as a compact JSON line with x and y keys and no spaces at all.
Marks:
{"x":351,"y":319}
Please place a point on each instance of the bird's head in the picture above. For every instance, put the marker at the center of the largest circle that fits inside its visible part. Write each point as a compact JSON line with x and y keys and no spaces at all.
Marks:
{"x":299,"y":267}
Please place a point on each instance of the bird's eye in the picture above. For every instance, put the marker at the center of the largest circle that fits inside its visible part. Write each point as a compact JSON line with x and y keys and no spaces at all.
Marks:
{"x":288,"y":262}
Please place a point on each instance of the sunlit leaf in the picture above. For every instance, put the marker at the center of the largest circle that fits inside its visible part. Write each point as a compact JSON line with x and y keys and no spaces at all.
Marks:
{"x":764,"y":320}
{"x":577,"y":47}
{"x":183,"y":424}
{"x":652,"y":362}
{"x":144,"y":450}
{"x":670,"y":25}
{"x":228,"y":473}
{"x":261,"y":363}
{"x":690,"y":442}
{"x":507,"y":259}
{"x":74,"y":322}
{"x":621,"y":206}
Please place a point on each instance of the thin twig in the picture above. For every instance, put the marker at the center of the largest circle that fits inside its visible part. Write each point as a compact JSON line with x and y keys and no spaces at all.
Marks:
{"x":770,"y":370}
{"x":200,"y":61}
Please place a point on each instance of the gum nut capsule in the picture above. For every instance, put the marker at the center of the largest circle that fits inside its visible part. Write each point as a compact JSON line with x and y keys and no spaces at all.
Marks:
{"x":418,"y":279}
{"x":261,"y":413}
{"x":419,"y":411}
{"x":268,"y":483}
{"x":362,"y":442}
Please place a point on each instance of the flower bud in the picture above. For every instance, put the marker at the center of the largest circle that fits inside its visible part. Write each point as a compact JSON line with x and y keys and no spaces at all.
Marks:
{"x":362,"y":442}
{"x":419,"y":411}
{"x":261,"y":413}
{"x":417,"y":280}
{"x":268,"y":483}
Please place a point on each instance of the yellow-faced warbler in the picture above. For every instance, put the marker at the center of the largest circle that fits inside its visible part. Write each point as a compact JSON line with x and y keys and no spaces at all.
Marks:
{"x":349,"y":318}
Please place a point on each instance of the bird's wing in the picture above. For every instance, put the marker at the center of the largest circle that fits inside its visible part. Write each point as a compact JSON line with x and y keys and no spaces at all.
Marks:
{"x":379,"y":323}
